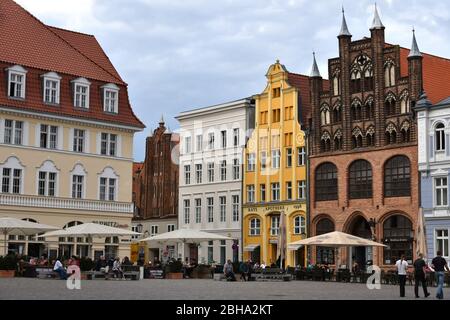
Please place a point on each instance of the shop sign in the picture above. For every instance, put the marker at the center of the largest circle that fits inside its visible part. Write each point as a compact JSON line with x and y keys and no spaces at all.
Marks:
{"x":112,"y":224}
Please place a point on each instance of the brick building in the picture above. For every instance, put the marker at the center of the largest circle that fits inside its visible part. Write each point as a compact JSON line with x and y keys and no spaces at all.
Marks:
{"x":363,"y":144}
{"x":155,"y":188}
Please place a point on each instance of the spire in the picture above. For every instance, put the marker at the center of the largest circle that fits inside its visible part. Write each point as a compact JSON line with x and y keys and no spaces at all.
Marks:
{"x":315,"y":69}
{"x":344,"y":28}
{"x":376,"y":24}
{"x":415,"y":52}
{"x":161,"y":121}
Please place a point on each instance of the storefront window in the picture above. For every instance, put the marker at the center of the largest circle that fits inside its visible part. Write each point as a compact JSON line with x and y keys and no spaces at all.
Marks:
{"x":324,"y":254}
{"x":398,"y":236}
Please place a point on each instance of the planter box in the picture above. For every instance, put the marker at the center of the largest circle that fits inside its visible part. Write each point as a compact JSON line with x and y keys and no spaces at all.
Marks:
{"x":171,"y":275}
{"x":7,"y":273}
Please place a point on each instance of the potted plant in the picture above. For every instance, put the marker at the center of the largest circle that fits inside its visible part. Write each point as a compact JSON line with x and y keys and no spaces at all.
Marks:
{"x":8,"y":266}
{"x":86,"y":264}
{"x":174,"y":270}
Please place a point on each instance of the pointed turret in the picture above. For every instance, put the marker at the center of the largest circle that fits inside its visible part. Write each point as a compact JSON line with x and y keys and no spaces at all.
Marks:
{"x":315,"y":73}
{"x":415,"y":52}
{"x":376,"y":23}
{"x":344,"y":28}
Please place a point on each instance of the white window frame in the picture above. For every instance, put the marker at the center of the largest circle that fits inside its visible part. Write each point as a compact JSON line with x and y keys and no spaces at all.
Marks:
{"x":263,"y":190}
{"x":289,"y":190}
{"x":170,"y":227}
{"x":109,"y":174}
{"x":236,"y":169}
{"x":211,"y":169}
{"x":78,"y":170}
{"x":223,"y":138}
{"x":263,"y":160}
{"x":442,"y":238}
{"x":223,"y":170}
{"x":198,"y":210}
{"x":275,"y":191}
{"x":235,"y":207}
{"x":187,"y":174}
{"x":81,"y":83}
{"x":76,"y":139}
{"x":254,"y":227}
{"x":288,"y":157}
{"x":51,"y":77}
{"x":251,"y":193}
{"x":301,"y":156}
{"x":14,"y":132}
{"x":109,"y":143}
{"x":440,"y":143}
{"x":199,"y":142}
{"x":12,"y":163}
{"x":110,"y":88}
{"x":50,"y":134}
{"x":223,"y":208}
{"x":210,"y":209}
{"x":299,"y":225}
{"x":48,"y":167}
{"x":154,"y":230}
{"x":21,"y":72}
{"x":187,"y":144}
{"x":236,"y":138}
{"x":187,"y":211}
{"x":274,"y":225}
{"x":301,"y":190}
{"x":211,"y":141}
{"x":251,"y":162}
{"x":442,"y":189}
{"x":198,"y":173}
{"x":276,"y":158}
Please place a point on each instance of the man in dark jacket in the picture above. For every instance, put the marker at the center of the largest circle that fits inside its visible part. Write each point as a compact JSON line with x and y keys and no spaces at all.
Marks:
{"x":439,"y":265}
{"x":419,"y":276}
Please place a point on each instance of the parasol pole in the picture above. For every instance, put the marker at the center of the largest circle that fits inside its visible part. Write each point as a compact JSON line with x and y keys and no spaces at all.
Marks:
{"x":5,"y":233}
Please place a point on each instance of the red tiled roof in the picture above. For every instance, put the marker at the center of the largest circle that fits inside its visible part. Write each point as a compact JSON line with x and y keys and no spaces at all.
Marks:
{"x":137,"y":166}
{"x":436,"y":74}
{"x":26,"y":41}
{"x":89,"y":46}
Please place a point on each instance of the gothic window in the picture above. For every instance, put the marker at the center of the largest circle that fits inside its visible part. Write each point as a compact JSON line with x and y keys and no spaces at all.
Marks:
{"x":390,"y":105}
{"x":337,"y":112}
{"x":369,"y":109}
{"x":336,"y":81}
{"x":405,"y":103}
{"x":397,"y":177}
{"x":389,"y":73}
{"x":357,"y":138}
{"x":406,"y":132}
{"x":324,"y":254}
{"x":370,"y":137}
{"x":326,"y":142}
{"x":326,"y":182}
{"x":360,"y":180}
{"x":391,"y":134}
{"x":440,"y":137}
{"x":356,"y":111}
{"x":338,"y":140}
{"x":355,"y":81}
{"x":368,"y":78}
{"x":325,"y":115}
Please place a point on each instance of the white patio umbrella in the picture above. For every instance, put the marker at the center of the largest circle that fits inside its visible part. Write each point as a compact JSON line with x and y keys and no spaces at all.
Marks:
{"x":336,"y":240}
{"x":13,"y":226}
{"x":186,"y":236}
{"x":91,"y":230}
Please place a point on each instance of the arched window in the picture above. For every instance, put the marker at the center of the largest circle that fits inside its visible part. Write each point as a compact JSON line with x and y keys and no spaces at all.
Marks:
{"x":370,"y":137}
{"x":69,"y":246}
{"x":326,"y":182}
{"x":440,"y":137}
{"x":338,"y":140}
{"x":368,"y":78}
{"x":336,"y":85}
{"x":356,"y":111}
{"x":337,"y":114}
{"x":357,"y":138}
{"x":355,"y":81}
{"x":389,"y":73}
{"x":405,"y":131}
{"x":299,"y":225}
{"x":405,"y":103}
{"x":390,"y":105}
{"x":11,"y":173}
{"x":397,"y":177}
{"x":326,"y":142}
{"x":324,"y":254}
{"x":391,"y":134}
{"x":369,"y":109}
{"x":398,"y":236}
{"x":360,"y":180}
{"x":255,"y":227}
{"x":325,"y":115}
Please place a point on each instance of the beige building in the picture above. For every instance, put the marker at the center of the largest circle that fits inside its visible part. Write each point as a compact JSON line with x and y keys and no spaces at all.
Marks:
{"x":66,"y":136}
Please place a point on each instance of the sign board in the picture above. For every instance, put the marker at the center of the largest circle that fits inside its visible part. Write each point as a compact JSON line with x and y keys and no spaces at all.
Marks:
{"x":156,"y":274}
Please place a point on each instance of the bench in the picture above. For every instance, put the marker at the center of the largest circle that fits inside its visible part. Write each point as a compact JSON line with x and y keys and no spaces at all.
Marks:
{"x":46,"y":273}
{"x":271,"y":274}
{"x":132,"y":272}
{"x":92,"y":275}
{"x":219,"y":277}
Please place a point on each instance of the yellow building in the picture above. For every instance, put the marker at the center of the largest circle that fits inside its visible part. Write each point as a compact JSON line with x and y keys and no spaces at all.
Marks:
{"x":275,"y":170}
{"x":66,"y":137}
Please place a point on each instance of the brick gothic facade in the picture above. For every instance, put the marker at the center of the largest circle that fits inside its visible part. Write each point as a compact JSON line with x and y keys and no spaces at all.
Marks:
{"x":363,"y":146}
{"x":156,"y":180}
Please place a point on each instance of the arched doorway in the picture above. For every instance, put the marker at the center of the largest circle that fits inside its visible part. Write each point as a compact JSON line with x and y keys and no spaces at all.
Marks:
{"x":398,"y":236}
{"x":359,"y":227}
{"x":324,"y":255}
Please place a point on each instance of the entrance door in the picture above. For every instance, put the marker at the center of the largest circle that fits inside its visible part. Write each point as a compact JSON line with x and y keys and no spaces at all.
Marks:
{"x":300,"y":257}
{"x":360,"y":228}
{"x":193,"y":252}
{"x":256,"y":255}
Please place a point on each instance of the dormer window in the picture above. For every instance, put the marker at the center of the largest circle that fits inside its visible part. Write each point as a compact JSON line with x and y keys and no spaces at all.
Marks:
{"x":81,"y":93}
{"x":16,"y":82}
{"x":52,"y":86}
{"x":110,"y":98}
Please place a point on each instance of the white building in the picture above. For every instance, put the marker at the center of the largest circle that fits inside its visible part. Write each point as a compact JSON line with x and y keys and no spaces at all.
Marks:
{"x":212,"y":141}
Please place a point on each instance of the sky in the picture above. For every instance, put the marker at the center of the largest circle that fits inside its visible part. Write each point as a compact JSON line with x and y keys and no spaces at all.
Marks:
{"x":179,"y":55}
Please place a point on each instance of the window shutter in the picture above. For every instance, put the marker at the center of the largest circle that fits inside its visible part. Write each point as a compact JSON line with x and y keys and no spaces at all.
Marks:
{"x":2,"y":130}
{"x":119,"y":145}
{"x":60,"y":138}
{"x":37,"y":138}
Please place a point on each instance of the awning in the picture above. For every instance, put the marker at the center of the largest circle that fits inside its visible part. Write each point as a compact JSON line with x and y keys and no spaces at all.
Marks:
{"x":294,"y":247}
{"x":251,"y":247}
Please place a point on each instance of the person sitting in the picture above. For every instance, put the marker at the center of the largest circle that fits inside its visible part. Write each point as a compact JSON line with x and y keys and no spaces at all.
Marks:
{"x":101,"y":264}
{"x":228,"y":271}
{"x":117,"y":268}
{"x":127,"y":262}
{"x":59,"y":268}
{"x":263,"y":265}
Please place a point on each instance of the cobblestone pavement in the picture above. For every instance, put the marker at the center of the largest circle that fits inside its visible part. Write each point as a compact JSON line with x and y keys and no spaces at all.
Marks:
{"x":20,"y":288}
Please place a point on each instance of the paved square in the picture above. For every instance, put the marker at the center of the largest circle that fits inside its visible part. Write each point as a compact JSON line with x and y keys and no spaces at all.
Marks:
{"x":21,"y":288}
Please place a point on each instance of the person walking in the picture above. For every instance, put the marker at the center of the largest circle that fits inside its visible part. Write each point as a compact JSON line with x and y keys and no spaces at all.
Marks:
{"x":228,"y":271}
{"x":243,"y":269}
{"x":402,"y":268}
{"x":419,"y":276}
{"x":439,"y":265}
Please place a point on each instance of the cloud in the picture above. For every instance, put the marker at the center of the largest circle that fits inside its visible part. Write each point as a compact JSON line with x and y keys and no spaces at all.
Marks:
{"x":181,"y":54}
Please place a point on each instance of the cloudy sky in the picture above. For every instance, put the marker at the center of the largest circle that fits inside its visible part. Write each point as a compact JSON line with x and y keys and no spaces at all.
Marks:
{"x":178,"y":55}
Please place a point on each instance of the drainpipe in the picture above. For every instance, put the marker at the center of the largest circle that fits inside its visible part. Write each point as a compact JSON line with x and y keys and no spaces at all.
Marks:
{"x":308,"y":206}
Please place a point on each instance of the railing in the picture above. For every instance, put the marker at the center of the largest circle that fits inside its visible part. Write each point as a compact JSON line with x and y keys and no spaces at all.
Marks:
{"x":65,"y":203}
